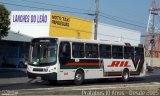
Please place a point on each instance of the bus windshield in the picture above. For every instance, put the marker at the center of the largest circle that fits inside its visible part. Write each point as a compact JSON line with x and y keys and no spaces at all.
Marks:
{"x":43,"y":52}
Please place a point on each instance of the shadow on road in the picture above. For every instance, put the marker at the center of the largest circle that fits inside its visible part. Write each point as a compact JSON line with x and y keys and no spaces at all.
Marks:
{"x":25,"y":83}
{"x":32,"y":84}
{"x":12,"y":73}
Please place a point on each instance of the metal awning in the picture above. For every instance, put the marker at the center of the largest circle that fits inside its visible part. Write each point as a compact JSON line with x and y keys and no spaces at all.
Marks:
{"x":16,"y":36}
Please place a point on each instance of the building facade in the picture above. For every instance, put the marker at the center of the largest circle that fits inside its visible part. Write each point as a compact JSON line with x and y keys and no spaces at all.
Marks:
{"x":48,"y":23}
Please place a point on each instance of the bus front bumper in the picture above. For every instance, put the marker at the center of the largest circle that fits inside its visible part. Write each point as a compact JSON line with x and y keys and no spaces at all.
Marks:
{"x":47,"y":76}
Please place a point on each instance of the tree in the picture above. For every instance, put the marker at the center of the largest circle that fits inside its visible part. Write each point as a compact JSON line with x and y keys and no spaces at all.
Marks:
{"x":4,"y":21}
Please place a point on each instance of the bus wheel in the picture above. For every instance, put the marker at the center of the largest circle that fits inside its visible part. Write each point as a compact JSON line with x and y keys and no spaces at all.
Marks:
{"x":125,"y":75}
{"x":21,"y":65}
{"x":79,"y":77}
{"x":53,"y":82}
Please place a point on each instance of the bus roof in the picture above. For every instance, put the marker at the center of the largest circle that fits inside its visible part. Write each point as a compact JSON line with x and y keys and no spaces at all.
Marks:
{"x":88,"y":41}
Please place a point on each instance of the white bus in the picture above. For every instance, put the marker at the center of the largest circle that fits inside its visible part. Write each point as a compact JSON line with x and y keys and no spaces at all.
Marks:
{"x":55,"y":59}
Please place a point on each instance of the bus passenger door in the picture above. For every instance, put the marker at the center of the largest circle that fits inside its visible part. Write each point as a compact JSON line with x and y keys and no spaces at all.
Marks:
{"x":103,"y":66}
{"x":64,"y":52}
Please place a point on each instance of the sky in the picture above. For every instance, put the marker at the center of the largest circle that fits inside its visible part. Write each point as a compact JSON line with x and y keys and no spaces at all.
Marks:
{"x":132,"y":14}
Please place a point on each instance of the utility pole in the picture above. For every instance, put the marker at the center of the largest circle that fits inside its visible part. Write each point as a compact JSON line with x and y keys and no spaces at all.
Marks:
{"x":96,"y":20}
{"x":152,"y":42}
{"x":151,"y":31}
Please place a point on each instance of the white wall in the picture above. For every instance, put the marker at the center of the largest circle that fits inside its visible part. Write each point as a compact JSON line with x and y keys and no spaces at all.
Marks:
{"x":31,"y":23}
{"x":114,"y":33}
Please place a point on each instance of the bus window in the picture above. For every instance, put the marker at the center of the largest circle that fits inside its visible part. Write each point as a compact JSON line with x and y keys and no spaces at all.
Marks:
{"x":64,"y":52}
{"x":78,"y":50}
{"x":105,"y":51}
{"x":43,"y":52}
{"x":139,"y":54}
{"x":128,"y":52}
{"x":91,"y":50}
{"x":117,"y":52}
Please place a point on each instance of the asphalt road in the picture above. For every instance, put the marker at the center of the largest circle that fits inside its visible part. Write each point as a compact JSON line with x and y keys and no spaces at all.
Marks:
{"x":16,"y":82}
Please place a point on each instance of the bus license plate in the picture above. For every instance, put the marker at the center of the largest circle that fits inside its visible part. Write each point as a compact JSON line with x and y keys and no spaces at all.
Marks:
{"x":38,"y":78}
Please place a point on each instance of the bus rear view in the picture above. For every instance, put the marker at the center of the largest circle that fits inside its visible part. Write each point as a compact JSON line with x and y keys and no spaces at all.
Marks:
{"x":42,"y":59}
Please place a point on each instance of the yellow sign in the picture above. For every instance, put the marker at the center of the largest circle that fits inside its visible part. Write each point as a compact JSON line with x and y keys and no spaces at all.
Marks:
{"x":68,"y":26}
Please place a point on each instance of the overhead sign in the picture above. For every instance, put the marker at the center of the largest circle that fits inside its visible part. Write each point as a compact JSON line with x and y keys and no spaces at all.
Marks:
{"x":47,"y":23}
{"x":59,"y":20}
{"x":69,"y":26}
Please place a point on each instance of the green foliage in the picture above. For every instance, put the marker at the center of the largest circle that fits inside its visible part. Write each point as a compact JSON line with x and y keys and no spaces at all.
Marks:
{"x":4,"y":21}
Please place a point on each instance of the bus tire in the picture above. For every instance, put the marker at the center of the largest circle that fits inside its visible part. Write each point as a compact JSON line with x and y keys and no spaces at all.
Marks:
{"x":79,"y":77}
{"x":53,"y":82}
{"x":125,"y":75}
{"x":21,"y":65}
{"x":103,"y":80}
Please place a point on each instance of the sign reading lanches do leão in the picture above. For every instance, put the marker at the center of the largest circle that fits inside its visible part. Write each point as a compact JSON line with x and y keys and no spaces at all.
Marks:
{"x":30,"y":17}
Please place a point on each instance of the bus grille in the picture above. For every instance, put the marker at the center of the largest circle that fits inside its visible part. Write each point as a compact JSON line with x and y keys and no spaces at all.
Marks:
{"x":38,"y":69}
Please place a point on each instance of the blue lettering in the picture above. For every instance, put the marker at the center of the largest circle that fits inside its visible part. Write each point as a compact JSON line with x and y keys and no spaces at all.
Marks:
{"x":20,"y":18}
{"x":41,"y":18}
{"x":33,"y":18}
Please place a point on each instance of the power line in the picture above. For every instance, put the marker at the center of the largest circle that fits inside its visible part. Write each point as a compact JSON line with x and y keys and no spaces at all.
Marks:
{"x":75,"y":9}
{"x":122,"y":21}
{"x":102,"y":34}
{"x":58,"y":10}
{"x":73,"y":12}
{"x":115,"y":18}
{"x":116,"y":36}
{"x":53,"y":5}
{"x":41,"y":8}
{"x":23,"y":5}
{"x":121,"y":18}
{"x":42,"y":3}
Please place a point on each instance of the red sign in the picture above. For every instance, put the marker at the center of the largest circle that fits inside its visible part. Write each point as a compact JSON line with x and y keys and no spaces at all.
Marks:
{"x":119,"y":64}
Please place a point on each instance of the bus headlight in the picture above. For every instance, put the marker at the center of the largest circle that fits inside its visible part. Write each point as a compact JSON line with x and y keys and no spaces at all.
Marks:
{"x":26,"y":63}
{"x":29,"y":68}
{"x":53,"y":69}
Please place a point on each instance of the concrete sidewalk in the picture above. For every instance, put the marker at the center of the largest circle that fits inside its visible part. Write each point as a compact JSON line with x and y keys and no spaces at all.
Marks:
{"x":156,"y":61}
{"x":12,"y":76}
{"x":12,"y":73}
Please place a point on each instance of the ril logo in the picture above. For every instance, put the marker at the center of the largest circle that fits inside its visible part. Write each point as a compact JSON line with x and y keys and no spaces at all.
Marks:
{"x":119,"y":64}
